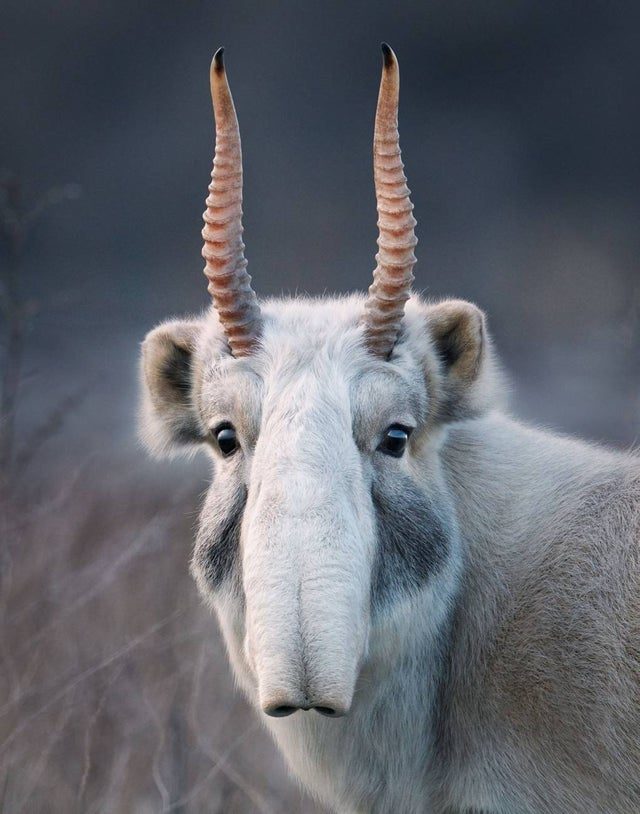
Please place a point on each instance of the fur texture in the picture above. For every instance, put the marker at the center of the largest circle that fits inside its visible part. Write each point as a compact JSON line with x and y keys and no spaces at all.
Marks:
{"x":473,"y":605}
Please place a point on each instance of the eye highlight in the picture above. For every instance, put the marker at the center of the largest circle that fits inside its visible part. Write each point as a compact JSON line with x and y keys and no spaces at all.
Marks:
{"x":226,"y":438}
{"x":395,"y":440}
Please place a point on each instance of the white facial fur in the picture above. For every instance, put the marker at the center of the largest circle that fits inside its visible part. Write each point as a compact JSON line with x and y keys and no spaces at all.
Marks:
{"x":469,"y":603}
{"x":310,"y":408}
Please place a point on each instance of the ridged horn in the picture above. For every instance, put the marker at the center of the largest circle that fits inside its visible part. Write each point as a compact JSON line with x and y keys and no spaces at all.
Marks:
{"x":395,"y":259}
{"x":223,"y":251}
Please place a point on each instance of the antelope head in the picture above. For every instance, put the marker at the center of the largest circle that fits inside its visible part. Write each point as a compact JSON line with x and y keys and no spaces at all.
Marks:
{"x":327,"y":511}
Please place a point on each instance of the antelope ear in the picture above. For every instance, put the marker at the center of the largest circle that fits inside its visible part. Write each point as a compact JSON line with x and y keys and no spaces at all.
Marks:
{"x":168,"y":417}
{"x":468,"y":372}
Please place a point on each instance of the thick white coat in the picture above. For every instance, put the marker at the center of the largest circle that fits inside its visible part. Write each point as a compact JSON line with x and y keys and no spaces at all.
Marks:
{"x":502,"y":673}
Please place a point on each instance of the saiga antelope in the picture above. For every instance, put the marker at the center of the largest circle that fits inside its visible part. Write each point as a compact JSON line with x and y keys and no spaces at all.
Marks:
{"x":434,"y":607}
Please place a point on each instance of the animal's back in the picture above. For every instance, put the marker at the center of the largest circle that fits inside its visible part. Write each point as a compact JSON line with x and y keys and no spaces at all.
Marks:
{"x":556,"y":607}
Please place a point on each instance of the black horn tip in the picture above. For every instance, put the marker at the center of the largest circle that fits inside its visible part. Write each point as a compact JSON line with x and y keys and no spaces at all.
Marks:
{"x":218,"y":61}
{"x":387,"y":55}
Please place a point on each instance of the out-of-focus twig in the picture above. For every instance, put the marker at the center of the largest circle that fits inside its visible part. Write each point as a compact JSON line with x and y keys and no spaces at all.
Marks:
{"x":219,"y":760}
{"x":107,"y":572}
{"x":16,"y":222}
{"x":85,"y":674}
{"x":49,"y":428}
{"x":89,"y":735}
{"x":111,"y":801}
{"x":36,"y":773}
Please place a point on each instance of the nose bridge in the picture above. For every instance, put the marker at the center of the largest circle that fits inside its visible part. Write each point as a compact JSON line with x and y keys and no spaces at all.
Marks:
{"x":306,"y":481}
{"x":306,"y":428}
{"x":306,"y":560}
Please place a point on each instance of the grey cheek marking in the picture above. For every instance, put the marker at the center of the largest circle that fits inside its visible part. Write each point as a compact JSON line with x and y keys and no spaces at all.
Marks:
{"x":217,"y":549}
{"x":413,"y":542}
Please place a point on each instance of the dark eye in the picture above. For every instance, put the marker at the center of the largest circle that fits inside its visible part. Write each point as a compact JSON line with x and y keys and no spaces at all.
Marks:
{"x":226,"y":439}
{"x":395,"y":441}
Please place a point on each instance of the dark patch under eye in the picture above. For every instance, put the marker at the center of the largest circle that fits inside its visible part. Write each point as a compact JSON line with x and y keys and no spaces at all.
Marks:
{"x":218,"y":545}
{"x":413,"y":541}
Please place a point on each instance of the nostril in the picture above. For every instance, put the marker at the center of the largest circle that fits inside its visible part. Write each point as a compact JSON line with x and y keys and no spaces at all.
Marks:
{"x":329,"y":712}
{"x":280,"y":711}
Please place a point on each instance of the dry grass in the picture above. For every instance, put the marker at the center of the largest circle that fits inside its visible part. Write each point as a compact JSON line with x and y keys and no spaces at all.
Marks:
{"x":115,"y":694}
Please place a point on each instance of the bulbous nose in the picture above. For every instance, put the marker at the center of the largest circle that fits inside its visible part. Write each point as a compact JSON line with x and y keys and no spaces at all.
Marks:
{"x":282,"y":710}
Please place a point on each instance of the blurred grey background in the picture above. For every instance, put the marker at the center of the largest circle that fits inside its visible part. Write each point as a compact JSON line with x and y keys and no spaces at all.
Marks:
{"x":520,"y":126}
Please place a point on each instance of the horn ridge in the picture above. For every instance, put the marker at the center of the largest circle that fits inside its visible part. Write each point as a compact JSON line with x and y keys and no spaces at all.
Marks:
{"x":223,"y":250}
{"x":393,"y":275}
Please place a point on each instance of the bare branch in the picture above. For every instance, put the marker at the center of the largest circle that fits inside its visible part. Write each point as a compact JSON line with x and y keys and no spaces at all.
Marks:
{"x":85,"y":674}
{"x":50,"y":427}
{"x":89,"y":732}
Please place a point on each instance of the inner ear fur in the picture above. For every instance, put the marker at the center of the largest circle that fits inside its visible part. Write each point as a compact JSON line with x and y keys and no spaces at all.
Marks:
{"x":169,"y":420}
{"x":457,"y":330}
{"x":458,"y":333}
